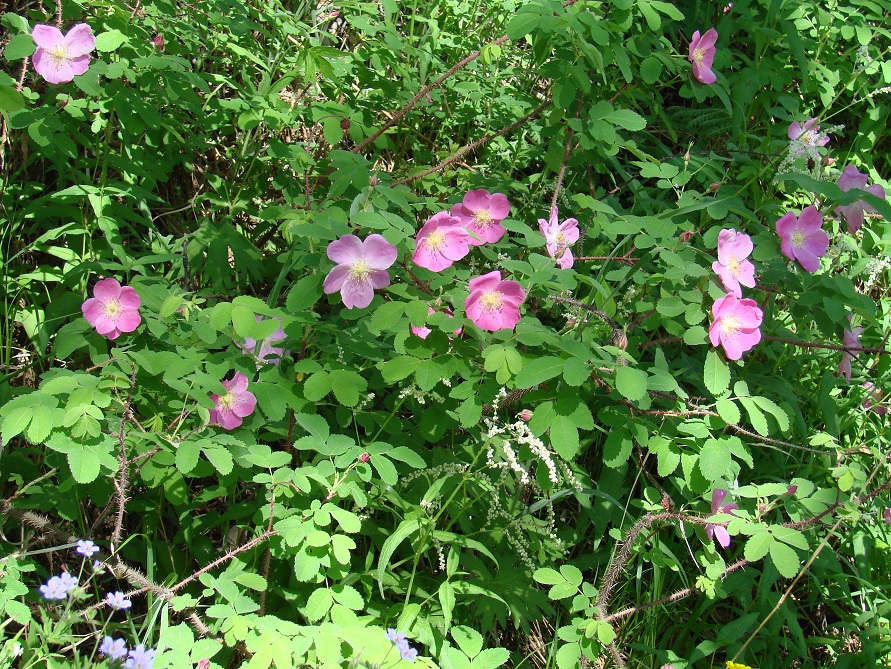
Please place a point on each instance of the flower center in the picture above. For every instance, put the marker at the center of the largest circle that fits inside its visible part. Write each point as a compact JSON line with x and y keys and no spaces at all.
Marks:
{"x":112,"y":308}
{"x":699,"y":55}
{"x":733,"y":265}
{"x":360,"y":270}
{"x":59,"y":54}
{"x":483,"y":218}
{"x":560,"y":238}
{"x":798,"y":239}
{"x":435,"y":240}
{"x":492,"y":300}
{"x":806,"y":138}
{"x":227,"y":401}
{"x":730,"y":327}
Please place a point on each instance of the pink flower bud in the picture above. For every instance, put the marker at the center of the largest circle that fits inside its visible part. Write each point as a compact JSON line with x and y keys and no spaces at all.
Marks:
{"x":791,"y":490}
{"x":713,"y":187}
{"x":685,"y":236}
{"x":365,"y":457}
{"x":334,"y":15}
{"x":158,"y":41}
{"x":526,"y":415}
{"x":204,"y":663}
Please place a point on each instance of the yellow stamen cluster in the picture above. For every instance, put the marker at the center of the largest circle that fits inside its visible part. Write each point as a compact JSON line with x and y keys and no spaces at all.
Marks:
{"x":483,"y":218}
{"x":59,"y":54}
{"x":360,"y":270}
{"x":492,"y":300}
{"x":112,"y":308}
{"x":798,"y":239}
{"x":435,"y":240}
{"x":730,"y":326}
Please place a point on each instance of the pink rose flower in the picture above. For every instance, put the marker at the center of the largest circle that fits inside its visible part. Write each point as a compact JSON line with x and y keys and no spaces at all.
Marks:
{"x":736,"y":326}
{"x":852,"y":343}
{"x":702,"y":55}
{"x":268,"y":352}
{"x":441,"y":242}
{"x":238,"y":403}
{"x":719,"y":532}
{"x":803,"y":239}
{"x":113,"y":309}
{"x":873,"y":399}
{"x":732,"y":265}
{"x":423,"y":331}
{"x":559,"y":237}
{"x":807,"y":133}
{"x":481,"y":214}
{"x":361,"y":267}
{"x":59,"y":58}
{"x":494,"y":304}
{"x":849,"y":179}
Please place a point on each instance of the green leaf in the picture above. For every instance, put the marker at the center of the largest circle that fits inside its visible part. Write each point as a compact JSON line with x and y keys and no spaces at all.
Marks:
{"x":569,"y":656}
{"x":20,"y":46}
{"x":572,"y":574}
{"x":398,"y":368}
{"x":650,"y":69}
{"x":785,"y":559}
{"x":10,"y":99}
{"x":447,"y":602}
{"x":15,"y":422}
{"x":110,"y":40}
{"x":617,"y":448}
{"x":84,"y":464}
{"x":728,"y":411}
{"x":219,"y":457}
{"x":348,"y":596}
{"x":490,"y":658}
{"x":316,"y":386}
{"x":469,"y":640}
{"x":539,"y":370}
{"x":631,"y":383}
{"x":576,"y":371}
{"x":714,"y":460}
{"x":386,"y":316}
{"x":304,"y":293}
{"x":406,"y":528}
{"x":758,"y":546}
{"x":347,"y":386}
{"x":716,"y":374}
{"x":522,"y":24}
{"x":565,"y":437}
{"x":547,"y":576}
{"x":187,"y":454}
{"x":759,"y":422}
{"x":628,"y":119}
{"x":318,"y":604}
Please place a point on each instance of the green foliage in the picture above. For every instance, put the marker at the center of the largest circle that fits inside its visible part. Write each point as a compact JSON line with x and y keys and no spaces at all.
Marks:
{"x":510,"y":498}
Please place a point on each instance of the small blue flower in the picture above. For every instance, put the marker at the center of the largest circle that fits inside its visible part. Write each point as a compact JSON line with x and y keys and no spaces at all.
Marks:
{"x":114,"y":649}
{"x":117,"y":601}
{"x":69,"y":581}
{"x":140,"y":658}
{"x":399,"y":640}
{"x":86,"y":548}
{"x":54,"y":589}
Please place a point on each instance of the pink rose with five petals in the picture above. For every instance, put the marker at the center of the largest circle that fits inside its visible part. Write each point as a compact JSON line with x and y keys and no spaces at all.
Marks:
{"x":113,"y":309}
{"x":441,"y":242}
{"x":849,"y":179}
{"x":736,"y":326}
{"x":361,"y":267}
{"x":59,"y":58}
{"x":802,"y":238}
{"x":732,"y":266}
{"x":238,"y":403}
{"x":702,"y":55}
{"x":481,"y":214}
{"x":494,"y":304}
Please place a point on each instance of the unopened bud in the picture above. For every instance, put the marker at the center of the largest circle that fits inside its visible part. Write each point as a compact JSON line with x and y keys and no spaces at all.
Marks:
{"x":158,"y":41}
{"x":713,"y":187}
{"x":365,"y":457}
{"x":526,"y":415}
{"x":373,"y":181}
{"x":685,"y":236}
{"x":345,"y":124}
{"x":791,"y":490}
{"x":827,"y":161}
{"x":204,"y":663}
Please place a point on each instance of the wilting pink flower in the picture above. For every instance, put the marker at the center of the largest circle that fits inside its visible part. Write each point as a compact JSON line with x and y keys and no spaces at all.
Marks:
{"x":113,"y":309}
{"x":732,"y":265}
{"x":873,"y":399}
{"x":886,"y":515}
{"x":702,"y":55}
{"x":808,"y":133}
{"x":802,"y":238}
{"x":851,"y":178}
{"x":736,"y":326}
{"x":238,"y":403}
{"x":423,"y":331}
{"x":361,"y":267}
{"x":718,"y":531}
{"x":59,"y":58}
{"x":494,"y":304}
{"x":482,"y":213}
{"x":441,"y":242}
{"x":559,"y":237}
{"x":852,"y":344}
{"x":268,"y":352}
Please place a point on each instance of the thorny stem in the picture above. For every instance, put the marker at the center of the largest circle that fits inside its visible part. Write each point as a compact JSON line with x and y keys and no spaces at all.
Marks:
{"x":21,"y":82}
{"x":793,"y":342}
{"x":566,"y":156}
{"x":123,"y":483}
{"x":460,"y":153}
{"x":399,"y":115}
